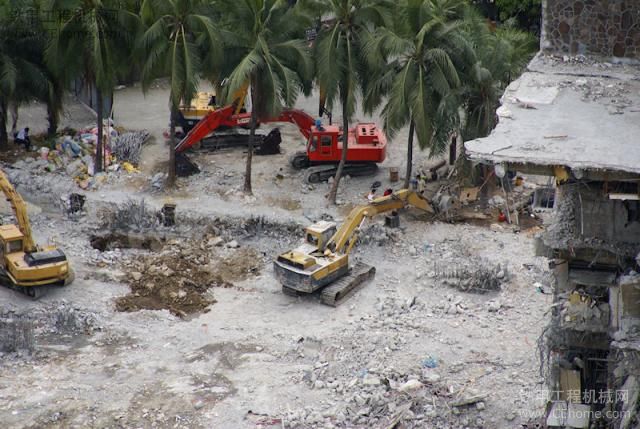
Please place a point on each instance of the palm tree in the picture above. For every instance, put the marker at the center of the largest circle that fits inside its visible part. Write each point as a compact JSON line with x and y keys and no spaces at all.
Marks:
{"x":423,"y":55}
{"x":500,"y":56}
{"x":92,"y":41}
{"x":264,"y":50}
{"x":179,"y":38}
{"x":21,"y":78}
{"x":341,"y":72}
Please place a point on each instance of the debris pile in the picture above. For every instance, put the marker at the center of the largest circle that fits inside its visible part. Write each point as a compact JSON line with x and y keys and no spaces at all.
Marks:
{"x":132,"y":215}
{"x":179,"y":277}
{"x":370,"y":387}
{"x":128,"y":146}
{"x":472,"y":275}
{"x":19,"y":332}
{"x":16,"y":333}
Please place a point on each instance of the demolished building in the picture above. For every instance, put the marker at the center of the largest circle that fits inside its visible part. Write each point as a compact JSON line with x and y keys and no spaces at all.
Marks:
{"x":577,"y":119}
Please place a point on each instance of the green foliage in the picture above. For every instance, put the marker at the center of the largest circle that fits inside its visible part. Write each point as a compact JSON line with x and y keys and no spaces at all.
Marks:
{"x":178,"y":41}
{"x":525,"y":12}
{"x":92,"y":39}
{"x":423,"y":56}
{"x":500,"y":57}
{"x":341,"y":71}
{"x":263,"y":48}
{"x":23,"y":74}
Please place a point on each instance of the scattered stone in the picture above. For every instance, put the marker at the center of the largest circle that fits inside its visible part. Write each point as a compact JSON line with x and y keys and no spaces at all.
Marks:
{"x":233,"y":244}
{"x":410,"y":386}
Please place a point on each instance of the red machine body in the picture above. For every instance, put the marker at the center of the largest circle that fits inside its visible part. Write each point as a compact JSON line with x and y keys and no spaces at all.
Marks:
{"x":366,"y":144}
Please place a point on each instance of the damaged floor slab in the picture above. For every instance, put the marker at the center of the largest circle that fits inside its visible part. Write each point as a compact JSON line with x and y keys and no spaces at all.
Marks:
{"x":582,"y":115}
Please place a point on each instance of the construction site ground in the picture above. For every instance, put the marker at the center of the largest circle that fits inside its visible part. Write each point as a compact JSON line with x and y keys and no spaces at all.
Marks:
{"x":185,"y":326}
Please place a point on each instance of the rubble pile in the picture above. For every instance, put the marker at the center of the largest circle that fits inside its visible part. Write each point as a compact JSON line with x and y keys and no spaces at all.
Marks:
{"x":132,"y":215}
{"x":472,"y":275}
{"x":378,"y":234}
{"x":371,"y":387}
{"x":16,"y":333}
{"x":179,"y":277}
{"x":20,"y":331}
{"x":583,"y":312}
{"x":29,"y":178}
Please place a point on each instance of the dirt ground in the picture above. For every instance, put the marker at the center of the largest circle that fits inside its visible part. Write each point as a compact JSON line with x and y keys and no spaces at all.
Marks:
{"x":207,"y":339}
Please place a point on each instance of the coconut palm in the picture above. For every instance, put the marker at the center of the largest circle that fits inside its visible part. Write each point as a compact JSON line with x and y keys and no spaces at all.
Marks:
{"x":179,"y":37}
{"x":264,"y":49}
{"x":340,"y":69}
{"x":423,"y":54}
{"x":21,"y":78}
{"x":93,"y":40}
{"x":500,"y":57}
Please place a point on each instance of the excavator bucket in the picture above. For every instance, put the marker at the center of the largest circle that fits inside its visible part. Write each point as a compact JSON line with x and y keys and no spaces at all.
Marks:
{"x":270,"y":144}
{"x":184,"y":166}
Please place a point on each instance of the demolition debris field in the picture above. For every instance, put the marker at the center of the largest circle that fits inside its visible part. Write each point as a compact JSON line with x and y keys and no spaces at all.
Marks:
{"x":185,"y":326}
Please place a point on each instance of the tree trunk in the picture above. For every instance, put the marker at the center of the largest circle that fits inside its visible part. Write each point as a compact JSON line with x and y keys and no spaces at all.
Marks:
{"x":453,"y":150}
{"x":407,"y":178}
{"x":254,"y":120}
{"x":99,"y":149}
{"x":14,"y":118}
{"x":52,"y":118}
{"x":333,"y":193}
{"x":4,"y":139}
{"x":171,"y":174}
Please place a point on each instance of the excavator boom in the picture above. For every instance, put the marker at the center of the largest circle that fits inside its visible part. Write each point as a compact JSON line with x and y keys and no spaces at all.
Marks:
{"x":302,"y":119}
{"x":211,"y":122}
{"x":20,"y":211}
{"x":344,"y":238}
{"x":226,"y":117}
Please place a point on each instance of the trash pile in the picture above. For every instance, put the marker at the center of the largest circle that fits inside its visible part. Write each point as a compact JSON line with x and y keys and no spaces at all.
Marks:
{"x":74,"y":154}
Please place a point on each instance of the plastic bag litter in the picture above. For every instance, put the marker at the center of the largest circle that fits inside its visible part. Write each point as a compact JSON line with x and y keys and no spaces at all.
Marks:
{"x":129,"y":168}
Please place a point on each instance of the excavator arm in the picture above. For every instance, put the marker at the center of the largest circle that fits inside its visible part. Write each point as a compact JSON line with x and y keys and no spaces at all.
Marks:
{"x":346,"y":236}
{"x":226,"y":117}
{"x":20,"y":211}
{"x":211,"y":122}
{"x":302,"y":119}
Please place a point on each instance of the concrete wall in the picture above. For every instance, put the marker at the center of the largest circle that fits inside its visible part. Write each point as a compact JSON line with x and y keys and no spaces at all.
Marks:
{"x":605,"y":219}
{"x":610,"y":28}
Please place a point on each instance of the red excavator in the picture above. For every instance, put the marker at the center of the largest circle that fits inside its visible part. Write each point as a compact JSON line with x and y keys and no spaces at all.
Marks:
{"x":367,"y":143}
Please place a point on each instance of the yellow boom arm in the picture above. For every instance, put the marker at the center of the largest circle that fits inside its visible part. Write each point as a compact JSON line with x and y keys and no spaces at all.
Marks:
{"x":345,"y":237}
{"x":20,"y":211}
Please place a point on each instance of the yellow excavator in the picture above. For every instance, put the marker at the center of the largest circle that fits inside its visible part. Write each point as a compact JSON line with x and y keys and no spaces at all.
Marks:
{"x":322,"y":261}
{"x":24,"y":266}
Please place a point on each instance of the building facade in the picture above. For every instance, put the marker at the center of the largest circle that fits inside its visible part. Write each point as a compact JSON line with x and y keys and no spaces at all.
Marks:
{"x":608,"y":28}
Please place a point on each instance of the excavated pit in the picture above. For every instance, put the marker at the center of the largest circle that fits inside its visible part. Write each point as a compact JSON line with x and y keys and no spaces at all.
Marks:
{"x":119,"y":240}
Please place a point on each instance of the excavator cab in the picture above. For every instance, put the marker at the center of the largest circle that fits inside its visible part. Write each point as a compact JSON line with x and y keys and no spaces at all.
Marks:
{"x":10,"y":242}
{"x":319,"y":234}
